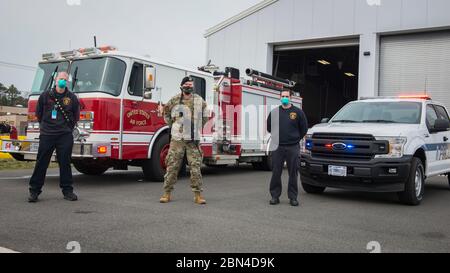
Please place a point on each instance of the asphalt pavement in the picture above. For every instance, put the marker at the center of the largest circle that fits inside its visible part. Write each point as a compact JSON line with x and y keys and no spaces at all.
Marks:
{"x":119,"y":212}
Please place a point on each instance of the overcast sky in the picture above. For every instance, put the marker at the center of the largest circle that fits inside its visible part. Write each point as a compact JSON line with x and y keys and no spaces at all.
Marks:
{"x":170,"y":30}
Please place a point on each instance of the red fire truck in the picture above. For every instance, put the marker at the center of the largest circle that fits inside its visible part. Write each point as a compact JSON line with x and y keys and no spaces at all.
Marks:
{"x":120,"y":125}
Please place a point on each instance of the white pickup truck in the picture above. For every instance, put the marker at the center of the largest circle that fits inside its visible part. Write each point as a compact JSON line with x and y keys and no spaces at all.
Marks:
{"x":379,"y":145}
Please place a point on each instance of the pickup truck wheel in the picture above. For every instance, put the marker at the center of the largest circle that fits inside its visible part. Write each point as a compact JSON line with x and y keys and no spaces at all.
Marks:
{"x":415,"y":185}
{"x":90,"y":167}
{"x":155,"y":168}
{"x":312,"y":189}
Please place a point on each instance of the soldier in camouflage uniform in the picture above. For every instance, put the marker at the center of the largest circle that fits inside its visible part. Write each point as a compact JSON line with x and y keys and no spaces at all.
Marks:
{"x":185,"y":114}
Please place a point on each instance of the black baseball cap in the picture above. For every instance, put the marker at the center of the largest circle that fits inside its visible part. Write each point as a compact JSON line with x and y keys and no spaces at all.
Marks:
{"x":186,"y":79}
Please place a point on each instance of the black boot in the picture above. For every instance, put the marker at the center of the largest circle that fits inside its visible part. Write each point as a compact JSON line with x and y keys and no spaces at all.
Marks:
{"x":34,"y":197}
{"x":274,"y":201}
{"x":70,"y":196}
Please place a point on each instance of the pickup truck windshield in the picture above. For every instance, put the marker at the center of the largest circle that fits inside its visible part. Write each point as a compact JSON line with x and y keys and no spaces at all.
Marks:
{"x":380,"y":112}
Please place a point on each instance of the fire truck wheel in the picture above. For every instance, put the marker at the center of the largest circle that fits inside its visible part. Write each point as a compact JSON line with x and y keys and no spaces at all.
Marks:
{"x":257,"y":166}
{"x":18,"y":157}
{"x":216,"y":166}
{"x":264,"y":165}
{"x":154,"y":169}
{"x":90,"y":167}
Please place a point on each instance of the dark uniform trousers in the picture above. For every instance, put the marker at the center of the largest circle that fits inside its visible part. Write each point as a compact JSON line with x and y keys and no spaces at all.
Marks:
{"x":47,"y":145}
{"x":290,"y":155}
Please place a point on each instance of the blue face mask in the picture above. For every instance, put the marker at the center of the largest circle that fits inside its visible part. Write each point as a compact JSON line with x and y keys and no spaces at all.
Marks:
{"x":285,"y":101}
{"x":62,"y":84}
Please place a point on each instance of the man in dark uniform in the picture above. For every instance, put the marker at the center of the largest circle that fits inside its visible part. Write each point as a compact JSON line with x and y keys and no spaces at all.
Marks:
{"x":58,"y":111}
{"x":288,"y":126}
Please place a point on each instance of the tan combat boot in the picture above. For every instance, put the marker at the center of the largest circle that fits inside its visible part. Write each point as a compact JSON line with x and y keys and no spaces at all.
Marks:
{"x":165,"y":198}
{"x":198,"y":199}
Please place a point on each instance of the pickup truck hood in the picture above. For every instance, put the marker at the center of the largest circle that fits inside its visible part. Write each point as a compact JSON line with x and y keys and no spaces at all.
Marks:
{"x":375,"y":129}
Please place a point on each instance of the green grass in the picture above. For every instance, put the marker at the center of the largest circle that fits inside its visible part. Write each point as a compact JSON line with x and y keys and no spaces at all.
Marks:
{"x":11,"y":164}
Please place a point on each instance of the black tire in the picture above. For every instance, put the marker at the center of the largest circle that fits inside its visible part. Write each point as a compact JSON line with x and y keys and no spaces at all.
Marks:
{"x":216,"y":166}
{"x":448,"y":176}
{"x":152,"y":168}
{"x":415,"y":185}
{"x":264,"y":165}
{"x":257,"y":166}
{"x":313,"y":189}
{"x":18,"y":157}
{"x":90,"y":167}
{"x":267,"y":163}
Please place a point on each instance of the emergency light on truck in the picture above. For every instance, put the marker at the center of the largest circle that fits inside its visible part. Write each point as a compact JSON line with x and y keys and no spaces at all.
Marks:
{"x":77,"y":53}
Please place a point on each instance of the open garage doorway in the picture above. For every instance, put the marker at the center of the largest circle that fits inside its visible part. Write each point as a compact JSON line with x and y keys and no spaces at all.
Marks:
{"x":327,"y":77}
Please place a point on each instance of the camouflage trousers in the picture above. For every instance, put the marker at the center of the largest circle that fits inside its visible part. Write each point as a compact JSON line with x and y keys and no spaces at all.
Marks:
{"x":175,"y":159}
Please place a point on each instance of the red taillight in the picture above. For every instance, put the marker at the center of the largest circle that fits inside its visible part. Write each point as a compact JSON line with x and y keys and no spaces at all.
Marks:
{"x":102,"y":149}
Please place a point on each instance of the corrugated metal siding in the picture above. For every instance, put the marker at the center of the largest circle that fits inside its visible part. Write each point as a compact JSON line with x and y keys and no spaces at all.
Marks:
{"x":416,"y":63}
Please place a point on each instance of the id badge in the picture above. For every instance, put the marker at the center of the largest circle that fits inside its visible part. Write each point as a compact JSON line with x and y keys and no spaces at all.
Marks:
{"x":54,"y":113}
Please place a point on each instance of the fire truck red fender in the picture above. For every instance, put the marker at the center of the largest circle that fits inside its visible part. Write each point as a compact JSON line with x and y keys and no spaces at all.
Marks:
{"x":160,"y":132}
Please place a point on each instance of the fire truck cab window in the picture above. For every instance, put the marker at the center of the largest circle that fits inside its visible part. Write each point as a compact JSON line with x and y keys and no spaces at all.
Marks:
{"x":43,"y":74}
{"x":136,"y":84}
{"x":98,"y":75}
{"x":199,"y":86}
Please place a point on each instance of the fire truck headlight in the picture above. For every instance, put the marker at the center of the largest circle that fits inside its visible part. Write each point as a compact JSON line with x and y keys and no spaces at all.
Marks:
{"x":80,"y":134}
{"x":76,"y":134}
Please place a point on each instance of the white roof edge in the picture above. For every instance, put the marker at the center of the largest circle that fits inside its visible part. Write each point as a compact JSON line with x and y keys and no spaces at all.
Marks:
{"x":239,"y":17}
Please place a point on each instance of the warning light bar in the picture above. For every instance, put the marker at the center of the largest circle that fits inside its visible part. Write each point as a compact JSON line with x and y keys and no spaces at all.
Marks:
{"x":50,"y":56}
{"x":420,"y":97}
{"x":70,"y":54}
{"x":96,"y":50}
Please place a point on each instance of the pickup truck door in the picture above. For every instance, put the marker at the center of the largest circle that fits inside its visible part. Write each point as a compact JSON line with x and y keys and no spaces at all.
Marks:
{"x":438,"y":146}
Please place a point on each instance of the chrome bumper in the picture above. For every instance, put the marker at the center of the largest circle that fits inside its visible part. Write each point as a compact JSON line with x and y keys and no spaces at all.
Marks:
{"x":29,"y":148}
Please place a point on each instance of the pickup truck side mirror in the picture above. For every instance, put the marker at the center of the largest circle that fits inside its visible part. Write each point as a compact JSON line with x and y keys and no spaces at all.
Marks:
{"x":325,"y":120}
{"x":441,"y":125}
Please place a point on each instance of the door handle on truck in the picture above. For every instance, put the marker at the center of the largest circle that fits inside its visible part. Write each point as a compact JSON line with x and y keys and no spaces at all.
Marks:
{"x":445,"y":139}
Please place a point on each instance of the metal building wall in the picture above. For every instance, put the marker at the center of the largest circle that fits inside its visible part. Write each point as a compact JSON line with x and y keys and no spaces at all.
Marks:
{"x":249,"y":42}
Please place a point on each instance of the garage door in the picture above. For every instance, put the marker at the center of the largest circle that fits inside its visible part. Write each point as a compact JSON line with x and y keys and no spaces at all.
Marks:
{"x":416,"y":63}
